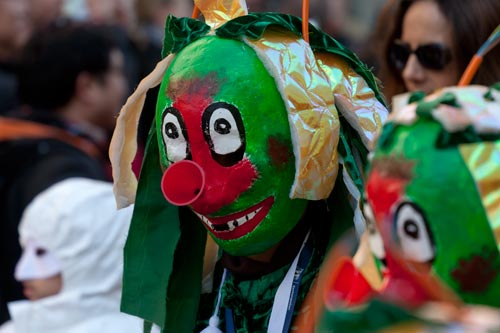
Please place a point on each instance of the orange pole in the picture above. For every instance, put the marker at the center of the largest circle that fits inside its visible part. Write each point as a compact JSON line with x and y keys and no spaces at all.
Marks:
{"x":305,"y":20}
{"x":196,"y":12}
{"x":470,"y":71}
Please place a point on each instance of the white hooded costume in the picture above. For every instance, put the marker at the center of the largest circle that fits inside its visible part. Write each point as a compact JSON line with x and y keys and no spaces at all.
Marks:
{"x":76,"y":221}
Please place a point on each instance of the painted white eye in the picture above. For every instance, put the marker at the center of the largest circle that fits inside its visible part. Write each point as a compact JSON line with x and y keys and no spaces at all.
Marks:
{"x":224,"y":132}
{"x":174,"y":136}
{"x":413,"y":232}
{"x":374,"y":237}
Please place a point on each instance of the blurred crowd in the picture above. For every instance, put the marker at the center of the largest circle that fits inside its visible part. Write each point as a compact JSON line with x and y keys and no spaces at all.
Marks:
{"x":140,"y":24}
{"x":137,"y":25}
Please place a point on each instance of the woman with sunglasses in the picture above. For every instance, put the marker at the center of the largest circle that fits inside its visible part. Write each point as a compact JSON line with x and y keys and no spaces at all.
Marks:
{"x":426,"y":44}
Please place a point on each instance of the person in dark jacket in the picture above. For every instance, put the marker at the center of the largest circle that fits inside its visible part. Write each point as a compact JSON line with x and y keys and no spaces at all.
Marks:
{"x":15,"y":29}
{"x":71,"y":84}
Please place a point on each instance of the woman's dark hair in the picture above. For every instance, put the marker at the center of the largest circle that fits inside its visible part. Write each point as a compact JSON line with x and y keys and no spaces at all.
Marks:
{"x":472,"y":22}
{"x":53,"y":59}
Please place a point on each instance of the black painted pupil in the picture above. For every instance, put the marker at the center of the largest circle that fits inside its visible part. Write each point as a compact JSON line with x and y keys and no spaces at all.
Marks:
{"x":222,"y":126}
{"x":171,"y":131}
{"x":411,"y":229}
{"x":40,"y":252}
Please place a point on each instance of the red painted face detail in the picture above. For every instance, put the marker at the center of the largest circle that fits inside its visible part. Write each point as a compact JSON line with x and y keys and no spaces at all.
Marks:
{"x":223,"y":185}
{"x":476,"y":273}
{"x":403,"y":279}
{"x":405,"y":283}
{"x":279,"y":152}
{"x":238,"y":224}
{"x":382,"y":193}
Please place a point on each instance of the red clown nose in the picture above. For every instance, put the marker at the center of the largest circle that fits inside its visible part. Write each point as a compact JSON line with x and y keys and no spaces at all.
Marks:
{"x":183,"y":182}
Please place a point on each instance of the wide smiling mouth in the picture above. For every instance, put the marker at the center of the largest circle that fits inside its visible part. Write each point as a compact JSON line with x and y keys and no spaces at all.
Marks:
{"x":238,"y":224}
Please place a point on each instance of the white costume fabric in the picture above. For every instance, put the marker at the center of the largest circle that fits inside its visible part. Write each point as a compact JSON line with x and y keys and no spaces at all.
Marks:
{"x":77,"y":221}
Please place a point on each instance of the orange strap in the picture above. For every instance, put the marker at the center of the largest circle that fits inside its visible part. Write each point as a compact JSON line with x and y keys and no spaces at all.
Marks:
{"x":16,"y":129}
{"x":196,"y":12}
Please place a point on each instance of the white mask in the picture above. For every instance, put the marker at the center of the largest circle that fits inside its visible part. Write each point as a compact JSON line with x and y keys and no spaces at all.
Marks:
{"x":36,"y":263}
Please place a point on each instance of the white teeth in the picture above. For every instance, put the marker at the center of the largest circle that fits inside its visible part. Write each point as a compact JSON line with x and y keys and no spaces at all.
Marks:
{"x":231,"y":225}
{"x":204,"y":219}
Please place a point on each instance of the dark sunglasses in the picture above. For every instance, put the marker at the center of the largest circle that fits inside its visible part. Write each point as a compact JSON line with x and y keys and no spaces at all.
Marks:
{"x":432,"y":56}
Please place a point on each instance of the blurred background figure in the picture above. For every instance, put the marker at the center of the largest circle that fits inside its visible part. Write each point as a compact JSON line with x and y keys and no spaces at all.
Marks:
{"x":45,"y":13}
{"x":120,"y":17}
{"x":113,"y":12}
{"x":151,"y":15}
{"x":426,"y":44}
{"x":15,"y":29}
{"x":71,"y":85}
{"x":18,"y":20}
{"x":350,"y":22}
{"x":138,"y":26}
{"x":71,"y":266}
{"x":74,"y":73}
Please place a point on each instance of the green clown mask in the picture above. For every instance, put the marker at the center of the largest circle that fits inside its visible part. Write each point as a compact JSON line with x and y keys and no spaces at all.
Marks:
{"x":248,"y":131}
{"x":433,"y":190}
{"x":233,"y":124}
{"x":433,"y":217}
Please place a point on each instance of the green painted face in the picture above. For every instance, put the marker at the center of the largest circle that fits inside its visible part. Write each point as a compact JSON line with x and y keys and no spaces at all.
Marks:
{"x":426,"y":204}
{"x":220,"y":108}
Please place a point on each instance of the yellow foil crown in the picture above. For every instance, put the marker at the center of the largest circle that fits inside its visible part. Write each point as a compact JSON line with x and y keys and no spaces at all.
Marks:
{"x":314,"y":87}
{"x":218,"y":12}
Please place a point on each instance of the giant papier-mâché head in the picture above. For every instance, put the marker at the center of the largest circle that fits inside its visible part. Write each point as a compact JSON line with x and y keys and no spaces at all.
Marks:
{"x":247,"y":130}
{"x":433,"y":190}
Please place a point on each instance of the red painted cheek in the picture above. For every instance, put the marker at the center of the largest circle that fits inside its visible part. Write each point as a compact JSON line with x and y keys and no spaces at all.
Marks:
{"x":223,"y":184}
